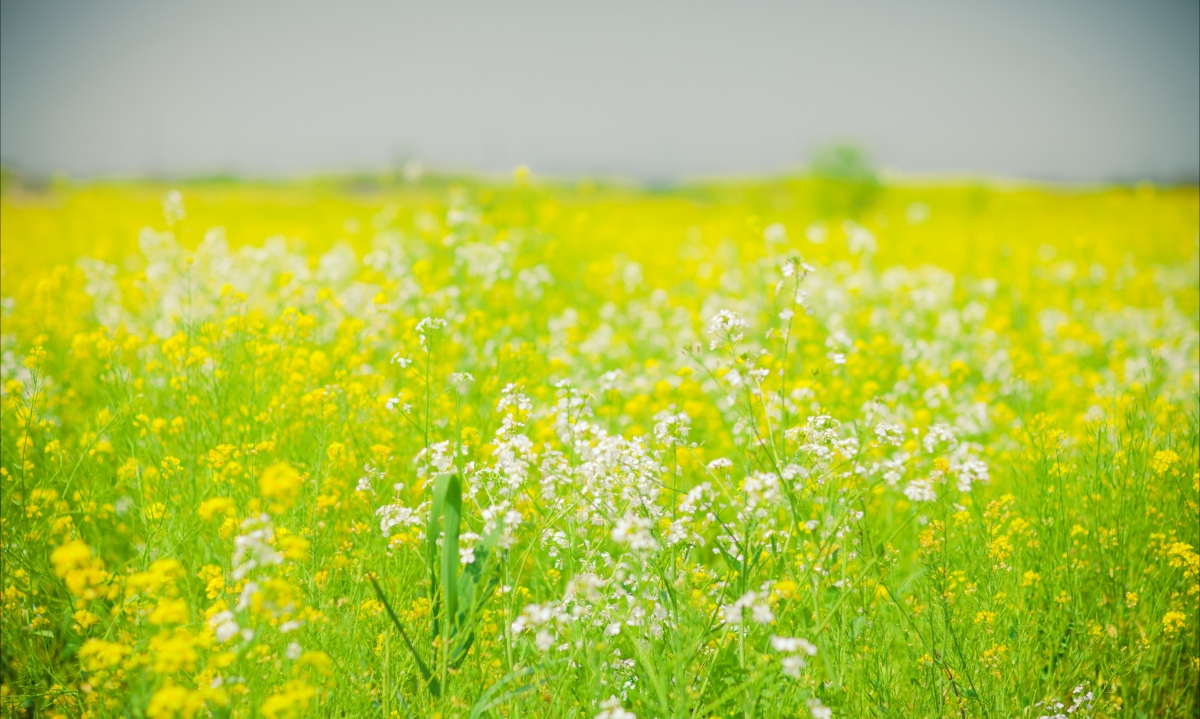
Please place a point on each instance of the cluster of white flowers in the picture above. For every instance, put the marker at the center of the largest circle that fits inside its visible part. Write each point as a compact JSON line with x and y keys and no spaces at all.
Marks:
{"x":763,"y":491}
{"x":225,"y":626}
{"x":1079,"y":708}
{"x":371,"y":475}
{"x":484,"y":262}
{"x":426,"y":327}
{"x":818,"y":710}
{"x":252,"y":548}
{"x":541,"y":617}
{"x":728,"y":326}
{"x":720,"y":463}
{"x":671,"y":429}
{"x":920,"y":490}
{"x":611,"y":380}
{"x":172,"y":207}
{"x":434,"y":459}
{"x":635,"y":532}
{"x":940,"y":435}
{"x":889,"y":434}
{"x":611,"y":709}
{"x":511,"y":396}
{"x":755,"y":602}
{"x":793,"y":648}
{"x":394,"y":515}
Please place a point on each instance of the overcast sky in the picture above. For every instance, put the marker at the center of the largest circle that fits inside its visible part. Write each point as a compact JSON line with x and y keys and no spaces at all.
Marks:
{"x":1082,"y":90}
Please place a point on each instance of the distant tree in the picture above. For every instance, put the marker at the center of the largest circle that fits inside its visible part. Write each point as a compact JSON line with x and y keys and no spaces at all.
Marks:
{"x":847,"y":183}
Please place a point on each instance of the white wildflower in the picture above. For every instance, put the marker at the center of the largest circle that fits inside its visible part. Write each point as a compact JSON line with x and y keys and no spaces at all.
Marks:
{"x":611,"y":709}
{"x":920,"y":490}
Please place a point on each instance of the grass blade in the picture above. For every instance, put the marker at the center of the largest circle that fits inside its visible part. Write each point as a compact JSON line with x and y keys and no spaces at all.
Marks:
{"x":435,"y":687}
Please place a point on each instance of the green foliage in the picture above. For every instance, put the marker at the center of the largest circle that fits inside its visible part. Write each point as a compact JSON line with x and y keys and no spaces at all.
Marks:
{"x":847,"y":183}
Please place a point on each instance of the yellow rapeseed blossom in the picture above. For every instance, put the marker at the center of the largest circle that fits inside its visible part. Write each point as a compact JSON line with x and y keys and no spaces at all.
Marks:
{"x":281,"y":485}
{"x":100,"y":655}
{"x":1173,"y":621}
{"x":217,"y":506}
{"x":172,"y":701}
{"x":292,"y":701}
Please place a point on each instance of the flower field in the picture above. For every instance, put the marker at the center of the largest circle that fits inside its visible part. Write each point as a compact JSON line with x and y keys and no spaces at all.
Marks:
{"x":517,"y":448}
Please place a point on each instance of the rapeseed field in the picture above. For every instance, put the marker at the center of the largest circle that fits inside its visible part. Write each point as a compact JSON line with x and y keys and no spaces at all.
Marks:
{"x":512,"y":447}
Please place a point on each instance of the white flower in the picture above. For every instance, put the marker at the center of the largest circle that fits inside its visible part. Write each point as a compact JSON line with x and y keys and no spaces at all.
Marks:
{"x":611,"y":380}
{"x":611,"y":709}
{"x":294,"y":651}
{"x":889,"y":434}
{"x":511,"y":396}
{"x":224,"y":626}
{"x":391,"y":515}
{"x":172,"y":206}
{"x":816,"y":233}
{"x":920,"y":490}
{"x":253,"y":548}
{"x":819,"y":710}
{"x":971,"y":471}
{"x":792,"y":665}
{"x":793,"y":645}
{"x":775,"y":232}
{"x":634,"y":531}
{"x":760,"y":612}
{"x":726,"y":325}
{"x":939,"y":434}
{"x":672,"y":429}
{"x":426,"y":327}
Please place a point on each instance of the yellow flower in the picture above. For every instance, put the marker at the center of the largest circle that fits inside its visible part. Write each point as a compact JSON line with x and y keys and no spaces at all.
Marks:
{"x":85,"y":619}
{"x":174,"y":651}
{"x":280,"y":483}
{"x":295,"y":548}
{"x":72,"y":555}
{"x":98,"y":655}
{"x":169,"y":611}
{"x":290,"y":702}
{"x":1163,"y":461}
{"x":214,"y":580}
{"x":1173,"y":622}
{"x":174,"y":702}
{"x":786,"y":588}
{"x":210,"y":508}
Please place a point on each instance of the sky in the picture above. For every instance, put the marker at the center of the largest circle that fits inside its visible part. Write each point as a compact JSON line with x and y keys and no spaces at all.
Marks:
{"x":1078,"y":91}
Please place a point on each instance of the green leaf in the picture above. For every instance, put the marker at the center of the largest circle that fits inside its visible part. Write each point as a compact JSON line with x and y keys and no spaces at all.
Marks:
{"x":435,"y":687}
{"x":449,"y":489}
